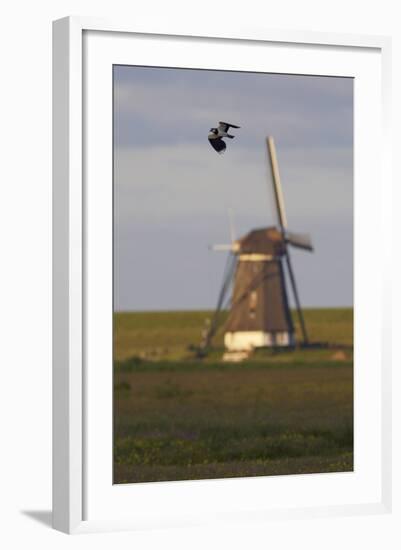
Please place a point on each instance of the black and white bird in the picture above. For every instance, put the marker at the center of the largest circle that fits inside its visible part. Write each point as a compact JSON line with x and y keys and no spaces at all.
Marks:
{"x":216,"y":136}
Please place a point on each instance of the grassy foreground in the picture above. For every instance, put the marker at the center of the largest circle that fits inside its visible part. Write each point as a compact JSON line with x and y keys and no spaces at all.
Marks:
{"x":277,"y":413}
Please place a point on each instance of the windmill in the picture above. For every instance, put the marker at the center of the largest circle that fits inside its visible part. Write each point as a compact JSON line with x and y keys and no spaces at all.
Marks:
{"x":259,"y":314}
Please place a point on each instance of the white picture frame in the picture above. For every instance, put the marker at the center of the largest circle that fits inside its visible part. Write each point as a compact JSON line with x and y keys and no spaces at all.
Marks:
{"x":74,"y":476}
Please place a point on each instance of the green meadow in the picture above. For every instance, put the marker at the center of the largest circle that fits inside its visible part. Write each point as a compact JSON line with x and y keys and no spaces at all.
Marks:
{"x":177,"y":417}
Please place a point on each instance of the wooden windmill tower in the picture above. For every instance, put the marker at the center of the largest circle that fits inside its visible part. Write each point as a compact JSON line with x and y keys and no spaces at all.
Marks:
{"x":259,"y":313}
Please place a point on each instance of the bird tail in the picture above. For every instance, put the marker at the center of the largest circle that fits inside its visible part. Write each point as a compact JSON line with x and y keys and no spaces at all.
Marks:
{"x":230,"y":136}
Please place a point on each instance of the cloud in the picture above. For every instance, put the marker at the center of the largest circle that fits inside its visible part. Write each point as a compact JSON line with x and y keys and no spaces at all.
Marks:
{"x":156,"y":106}
{"x":167,"y":182}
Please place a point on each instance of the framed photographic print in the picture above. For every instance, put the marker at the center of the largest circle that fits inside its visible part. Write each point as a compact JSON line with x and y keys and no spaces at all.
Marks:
{"x":220,"y":319}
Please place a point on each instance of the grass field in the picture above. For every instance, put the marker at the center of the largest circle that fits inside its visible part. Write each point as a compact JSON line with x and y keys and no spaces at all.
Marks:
{"x":176,"y":417}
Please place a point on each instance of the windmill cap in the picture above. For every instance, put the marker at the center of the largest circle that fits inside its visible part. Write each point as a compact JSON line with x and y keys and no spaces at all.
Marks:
{"x":266,"y":240}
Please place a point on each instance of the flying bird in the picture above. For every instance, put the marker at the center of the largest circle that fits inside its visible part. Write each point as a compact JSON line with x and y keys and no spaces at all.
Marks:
{"x":216,"y":136}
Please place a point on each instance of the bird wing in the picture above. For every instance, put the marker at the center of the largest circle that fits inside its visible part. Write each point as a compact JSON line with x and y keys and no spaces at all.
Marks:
{"x":224,"y":126}
{"x":218,"y":145}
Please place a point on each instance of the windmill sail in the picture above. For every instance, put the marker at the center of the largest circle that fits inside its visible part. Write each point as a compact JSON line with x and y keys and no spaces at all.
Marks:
{"x":299,"y":240}
{"x":292,"y":238}
{"x":278,"y":192}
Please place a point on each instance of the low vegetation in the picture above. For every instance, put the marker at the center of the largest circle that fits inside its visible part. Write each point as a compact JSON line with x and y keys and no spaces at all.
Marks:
{"x":178,"y":417}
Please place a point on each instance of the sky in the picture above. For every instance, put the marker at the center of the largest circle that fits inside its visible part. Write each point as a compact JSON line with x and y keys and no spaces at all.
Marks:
{"x":173,"y":192}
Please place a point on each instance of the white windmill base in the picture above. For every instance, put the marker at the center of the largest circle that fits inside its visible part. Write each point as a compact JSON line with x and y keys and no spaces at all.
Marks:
{"x":246,"y":341}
